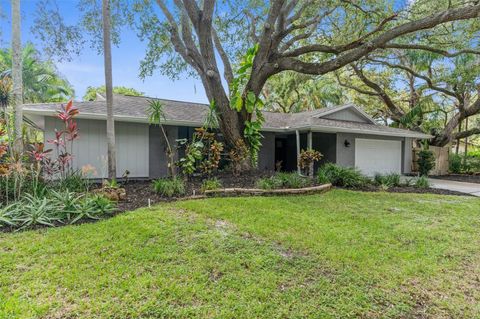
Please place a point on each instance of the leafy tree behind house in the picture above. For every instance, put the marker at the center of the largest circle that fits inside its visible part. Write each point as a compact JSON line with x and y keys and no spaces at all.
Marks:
{"x":41,"y":80}
{"x":91,"y":93}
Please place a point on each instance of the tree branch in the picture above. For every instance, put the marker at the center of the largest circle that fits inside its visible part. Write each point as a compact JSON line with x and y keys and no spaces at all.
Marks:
{"x":417,"y":75}
{"x":396,"y":112}
{"x":467,"y":133}
{"x":430,"y":49}
{"x":290,"y":63}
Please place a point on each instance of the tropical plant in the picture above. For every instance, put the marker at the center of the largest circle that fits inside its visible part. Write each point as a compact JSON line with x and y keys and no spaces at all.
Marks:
{"x":307,"y":159}
{"x":156,"y":115}
{"x":41,"y":80}
{"x":169,"y":187}
{"x":202,"y":153}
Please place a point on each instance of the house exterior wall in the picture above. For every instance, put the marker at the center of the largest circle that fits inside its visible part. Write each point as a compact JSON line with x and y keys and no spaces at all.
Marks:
{"x":132,"y":143}
{"x":266,"y":156}
{"x":158,"y":146}
{"x":346,"y":155}
{"x":346,"y":115}
{"x":325,"y":143}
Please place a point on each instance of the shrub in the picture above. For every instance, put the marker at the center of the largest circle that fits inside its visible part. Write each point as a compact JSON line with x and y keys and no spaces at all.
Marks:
{"x":388,"y":180}
{"x":308,"y":157}
{"x":341,"y":176}
{"x":426,"y":162}
{"x":211,"y":184}
{"x":74,"y":182}
{"x":422,"y":182}
{"x":169,"y":187}
{"x":283,"y":180}
{"x":455,"y":164}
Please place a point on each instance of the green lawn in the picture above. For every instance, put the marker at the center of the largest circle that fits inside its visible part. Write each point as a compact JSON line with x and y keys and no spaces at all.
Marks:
{"x":342,"y":254}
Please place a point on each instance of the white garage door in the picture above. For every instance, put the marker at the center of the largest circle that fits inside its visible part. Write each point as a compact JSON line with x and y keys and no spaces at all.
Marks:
{"x":378,"y":156}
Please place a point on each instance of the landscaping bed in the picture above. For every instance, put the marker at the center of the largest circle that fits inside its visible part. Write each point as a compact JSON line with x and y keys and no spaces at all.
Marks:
{"x":140,"y":192}
{"x":409,"y":189}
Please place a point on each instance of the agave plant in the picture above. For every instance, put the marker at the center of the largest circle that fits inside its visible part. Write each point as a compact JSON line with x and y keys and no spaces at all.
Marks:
{"x":37,"y":211}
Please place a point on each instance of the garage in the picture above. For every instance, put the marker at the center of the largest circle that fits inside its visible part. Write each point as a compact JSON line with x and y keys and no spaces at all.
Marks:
{"x":374,"y":156}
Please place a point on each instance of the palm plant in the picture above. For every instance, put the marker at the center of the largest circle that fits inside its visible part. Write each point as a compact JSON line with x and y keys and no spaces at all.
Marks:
{"x":41,"y":80}
{"x":155,"y":115}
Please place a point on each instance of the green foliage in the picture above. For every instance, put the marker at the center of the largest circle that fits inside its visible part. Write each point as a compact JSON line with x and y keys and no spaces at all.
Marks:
{"x":461,"y":163}
{"x":286,"y":92}
{"x":455,"y":164}
{"x":426,"y":162}
{"x":73,"y":181}
{"x":388,"y":180}
{"x":341,"y":176}
{"x":202,"y":154}
{"x":54,"y":208}
{"x":169,"y":187}
{"x":283,"y":180}
{"x":422,"y":182}
{"x":211,"y":184}
{"x":240,"y":100}
{"x":91,"y":93}
{"x":41,"y":80}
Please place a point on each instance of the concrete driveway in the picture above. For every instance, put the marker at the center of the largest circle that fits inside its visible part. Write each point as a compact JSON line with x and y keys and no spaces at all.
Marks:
{"x":468,"y":188}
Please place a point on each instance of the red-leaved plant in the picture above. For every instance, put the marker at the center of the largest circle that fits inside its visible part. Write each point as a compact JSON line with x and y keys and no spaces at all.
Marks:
{"x":63,"y":143}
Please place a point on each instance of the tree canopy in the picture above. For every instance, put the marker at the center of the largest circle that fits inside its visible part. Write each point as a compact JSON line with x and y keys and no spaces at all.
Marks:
{"x":91,"y":93}
{"x":41,"y":80}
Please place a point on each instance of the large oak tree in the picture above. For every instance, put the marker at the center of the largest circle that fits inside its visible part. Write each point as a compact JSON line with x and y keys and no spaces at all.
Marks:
{"x":309,"y":37}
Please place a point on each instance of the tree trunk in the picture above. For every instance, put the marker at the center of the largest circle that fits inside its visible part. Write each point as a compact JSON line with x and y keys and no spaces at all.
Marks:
{"x":107,"y":55}
{"x":457,"y":147}
{"x":465,"y":150}
{"x":17,"y":76}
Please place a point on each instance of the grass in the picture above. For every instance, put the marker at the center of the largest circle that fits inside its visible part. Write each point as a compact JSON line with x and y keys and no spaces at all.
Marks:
{"x":342,"y":254}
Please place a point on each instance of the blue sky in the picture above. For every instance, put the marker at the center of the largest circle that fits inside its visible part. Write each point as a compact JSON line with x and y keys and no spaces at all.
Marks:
{"x":87,"y":69}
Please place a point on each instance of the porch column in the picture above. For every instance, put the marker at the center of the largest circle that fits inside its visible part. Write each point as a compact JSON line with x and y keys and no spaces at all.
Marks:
{"x":298,"y":150}
{"x":309,"y":146}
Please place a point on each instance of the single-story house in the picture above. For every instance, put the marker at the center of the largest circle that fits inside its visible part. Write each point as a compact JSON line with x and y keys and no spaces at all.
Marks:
{"x":345,"y":135}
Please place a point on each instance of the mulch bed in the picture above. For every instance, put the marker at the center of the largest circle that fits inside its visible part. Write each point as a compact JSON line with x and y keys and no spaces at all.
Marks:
{"x":468,"y":178}
{"x":139,"y":192}
{"x":411,"y":189}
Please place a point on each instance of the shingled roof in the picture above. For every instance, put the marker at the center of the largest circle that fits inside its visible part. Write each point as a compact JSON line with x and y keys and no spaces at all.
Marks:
{"x":134,"y":109}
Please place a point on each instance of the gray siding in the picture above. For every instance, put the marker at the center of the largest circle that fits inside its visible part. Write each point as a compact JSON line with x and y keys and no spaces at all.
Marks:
{"x":347,"y":115}
{"x":407,"y":155}
{"x":346,"y":155}
{"x":266,"y":156}
{"x":91,"y":147}
{"x":326,"y":144}
{"x":158,"y":158}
